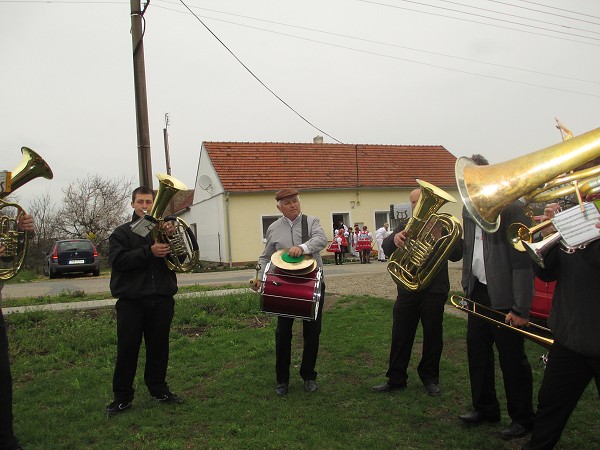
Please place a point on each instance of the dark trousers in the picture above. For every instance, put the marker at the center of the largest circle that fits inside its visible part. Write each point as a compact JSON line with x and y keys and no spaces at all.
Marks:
{"x":311,"y":331}
{"x":7,"y":438}
{"x":566,"y":377}
{"x":428,"y":308}
{"x":150,"y":319}
{"x":516,"y":371}
{"x":339,"y":258}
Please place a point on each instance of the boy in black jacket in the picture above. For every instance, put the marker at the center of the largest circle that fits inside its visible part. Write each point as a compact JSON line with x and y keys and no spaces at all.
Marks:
{"x":145,"y":287}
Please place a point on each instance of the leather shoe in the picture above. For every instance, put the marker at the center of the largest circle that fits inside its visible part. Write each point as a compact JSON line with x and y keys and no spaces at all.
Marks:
{"x":310,"y":385}
{"x":281,"y":389}
{"x":432,"y":389}
{"x":475,"y":417}
{"x":514,"y":431}
{"x":388,"y":387}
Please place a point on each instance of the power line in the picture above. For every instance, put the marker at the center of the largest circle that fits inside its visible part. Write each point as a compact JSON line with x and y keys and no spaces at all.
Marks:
{"x":475,"y":15}
{"x":398,"y":58}
{"x":256,"y":77}
{"x":559,"y":9}
{"x":368,"y":41}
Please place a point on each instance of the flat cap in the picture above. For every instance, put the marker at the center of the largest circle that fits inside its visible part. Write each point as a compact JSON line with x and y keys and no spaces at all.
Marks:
{"x":287,"y":192}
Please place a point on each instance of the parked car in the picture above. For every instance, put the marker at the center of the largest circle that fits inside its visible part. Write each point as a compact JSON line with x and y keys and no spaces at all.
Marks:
{"x":542,"y":301}
{"x":72,"y":256}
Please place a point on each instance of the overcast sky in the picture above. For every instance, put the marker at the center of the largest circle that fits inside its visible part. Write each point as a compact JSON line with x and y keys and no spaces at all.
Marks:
{"x":475,"y":76}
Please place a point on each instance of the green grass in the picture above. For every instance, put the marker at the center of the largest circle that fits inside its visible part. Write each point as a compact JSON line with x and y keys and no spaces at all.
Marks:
{"x":222,"y":364}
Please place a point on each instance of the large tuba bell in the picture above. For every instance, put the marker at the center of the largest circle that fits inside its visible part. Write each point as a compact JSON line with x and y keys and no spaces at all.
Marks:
{"x":14,"y":241}
{"x":185,"y":252}
{"x":429,"y":239}
{"x":487,"y":190}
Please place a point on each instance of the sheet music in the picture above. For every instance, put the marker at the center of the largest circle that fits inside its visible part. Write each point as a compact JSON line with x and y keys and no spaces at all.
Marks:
{"x":577,"y":227}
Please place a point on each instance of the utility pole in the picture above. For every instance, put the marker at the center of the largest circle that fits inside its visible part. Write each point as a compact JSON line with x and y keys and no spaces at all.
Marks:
{"x":141,"y":102}
{"x":166,"y":139}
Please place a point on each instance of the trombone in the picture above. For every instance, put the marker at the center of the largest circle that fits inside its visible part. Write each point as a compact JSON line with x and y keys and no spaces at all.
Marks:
{"x":497,"y":317}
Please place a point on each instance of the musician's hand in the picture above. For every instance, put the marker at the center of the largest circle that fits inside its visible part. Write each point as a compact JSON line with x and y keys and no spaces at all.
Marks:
{"x":598,"y":223}
{"x":160,"y":250}
{"x":26,"y":223}
{"x":399,"y":239}
{"x":168,"y":228}
{"x":550,"y":211}
{"x":516,"y":321}
{"x":295,"y":251}
{"x":255,"y":284}
{"x":1,"y":250}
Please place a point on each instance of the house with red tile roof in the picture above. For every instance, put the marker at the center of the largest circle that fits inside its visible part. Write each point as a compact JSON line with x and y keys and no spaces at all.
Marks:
{"x":234,"y":202}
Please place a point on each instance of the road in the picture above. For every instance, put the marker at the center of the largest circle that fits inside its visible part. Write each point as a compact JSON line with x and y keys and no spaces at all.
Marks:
{"x":91,"y":285}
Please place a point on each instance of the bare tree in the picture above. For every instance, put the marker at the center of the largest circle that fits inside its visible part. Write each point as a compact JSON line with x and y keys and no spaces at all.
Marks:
{"x":92,"y":208}
{"x":44,"y":216}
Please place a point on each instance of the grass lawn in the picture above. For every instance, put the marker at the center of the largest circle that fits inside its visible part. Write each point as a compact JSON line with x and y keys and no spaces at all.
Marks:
{"x":222,"y":364}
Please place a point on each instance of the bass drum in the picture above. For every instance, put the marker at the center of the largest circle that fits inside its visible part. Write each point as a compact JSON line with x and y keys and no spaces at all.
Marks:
{"x":284,"y":293}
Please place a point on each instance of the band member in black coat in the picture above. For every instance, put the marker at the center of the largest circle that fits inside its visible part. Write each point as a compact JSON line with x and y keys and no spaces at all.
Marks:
{"x":426,"y":306}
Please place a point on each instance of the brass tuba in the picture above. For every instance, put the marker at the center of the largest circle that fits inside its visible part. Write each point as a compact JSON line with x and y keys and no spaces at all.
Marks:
{"x":429,"y":239}
{"x":487,"y":190}
{"x":16,"y":242}
{"x":185,"y":252}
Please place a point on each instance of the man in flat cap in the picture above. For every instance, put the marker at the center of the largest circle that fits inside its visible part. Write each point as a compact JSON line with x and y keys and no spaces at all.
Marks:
{"x":300,"y":235}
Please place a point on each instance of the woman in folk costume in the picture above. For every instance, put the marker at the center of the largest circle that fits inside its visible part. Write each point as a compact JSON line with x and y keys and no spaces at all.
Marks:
{"x":336,"y":247}
{"x":364,"y":245}
{"x":354,"y":238}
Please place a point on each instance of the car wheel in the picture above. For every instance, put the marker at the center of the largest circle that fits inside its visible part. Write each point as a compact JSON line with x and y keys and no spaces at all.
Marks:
{"x":96,"y":272}
{"x":51,"y":274}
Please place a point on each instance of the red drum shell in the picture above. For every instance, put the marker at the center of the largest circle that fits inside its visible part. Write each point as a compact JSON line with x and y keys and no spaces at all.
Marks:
{"x":288,"y":295}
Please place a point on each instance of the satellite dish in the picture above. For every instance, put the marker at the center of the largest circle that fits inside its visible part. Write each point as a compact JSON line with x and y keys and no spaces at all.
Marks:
{"x":205,"y":183}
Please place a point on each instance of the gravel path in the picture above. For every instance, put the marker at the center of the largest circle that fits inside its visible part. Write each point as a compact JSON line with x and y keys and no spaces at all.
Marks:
{"x":379,"y":284}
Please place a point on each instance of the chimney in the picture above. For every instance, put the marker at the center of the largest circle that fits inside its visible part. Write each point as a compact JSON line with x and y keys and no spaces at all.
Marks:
{"x":318,"y":140}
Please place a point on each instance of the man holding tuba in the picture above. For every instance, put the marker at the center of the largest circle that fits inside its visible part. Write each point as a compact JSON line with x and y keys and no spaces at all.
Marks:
{"x":7,"y":437}
{"x":497,"y":276}
{"x":425,"y":305}
{"x":144,"y":286}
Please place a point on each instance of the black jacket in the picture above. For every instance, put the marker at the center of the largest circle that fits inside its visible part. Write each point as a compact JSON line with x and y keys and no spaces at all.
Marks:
{"x":136,"y":272}
{"x":440,"y":284}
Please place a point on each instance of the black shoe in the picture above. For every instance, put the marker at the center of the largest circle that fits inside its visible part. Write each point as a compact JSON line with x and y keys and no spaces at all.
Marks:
{"x":281,"y":389}
{"x":388,"y":387}
{"x":432,"y":389}
{"x":117,"y":407}
{"x":477,"y":417}
{"x":169,"y":397}
{"x":310,"y":386}
{"x":514,"y":431}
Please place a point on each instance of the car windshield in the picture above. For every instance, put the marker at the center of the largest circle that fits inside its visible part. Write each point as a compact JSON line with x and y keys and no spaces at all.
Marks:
{"x":74,"y":246}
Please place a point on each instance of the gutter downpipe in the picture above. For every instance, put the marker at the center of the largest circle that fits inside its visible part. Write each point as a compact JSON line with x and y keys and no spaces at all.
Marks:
{"x":228,"y":230}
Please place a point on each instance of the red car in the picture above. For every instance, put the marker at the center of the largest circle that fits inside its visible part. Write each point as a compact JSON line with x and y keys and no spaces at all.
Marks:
{"x":542,"y":301}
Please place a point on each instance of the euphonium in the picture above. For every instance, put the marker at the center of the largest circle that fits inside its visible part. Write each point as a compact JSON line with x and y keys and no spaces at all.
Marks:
{"x":16,"y":242}
{"x":185,"y":253}
{"x":487,"y":190}
{"x":429,"y":240}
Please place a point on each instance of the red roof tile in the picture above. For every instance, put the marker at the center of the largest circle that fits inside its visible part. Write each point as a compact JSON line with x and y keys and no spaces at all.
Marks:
{"x":252,"y":167}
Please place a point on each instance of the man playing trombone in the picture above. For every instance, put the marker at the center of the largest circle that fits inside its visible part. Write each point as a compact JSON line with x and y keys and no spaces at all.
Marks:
{"x":497,"y":276}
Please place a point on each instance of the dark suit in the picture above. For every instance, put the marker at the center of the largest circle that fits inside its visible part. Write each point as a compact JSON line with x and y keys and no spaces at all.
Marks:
{"x":426,"y":306}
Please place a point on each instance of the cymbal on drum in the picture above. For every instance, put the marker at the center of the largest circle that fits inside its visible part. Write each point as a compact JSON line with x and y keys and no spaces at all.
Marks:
{"x":283,"y":261}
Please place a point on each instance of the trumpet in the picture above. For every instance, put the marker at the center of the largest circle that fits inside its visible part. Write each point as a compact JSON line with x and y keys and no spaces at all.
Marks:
{"x":16,"y":242}
{"x":497,"y":318}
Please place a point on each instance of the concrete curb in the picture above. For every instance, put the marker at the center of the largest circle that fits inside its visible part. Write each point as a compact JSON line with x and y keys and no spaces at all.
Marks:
{"x":96,"y":304}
